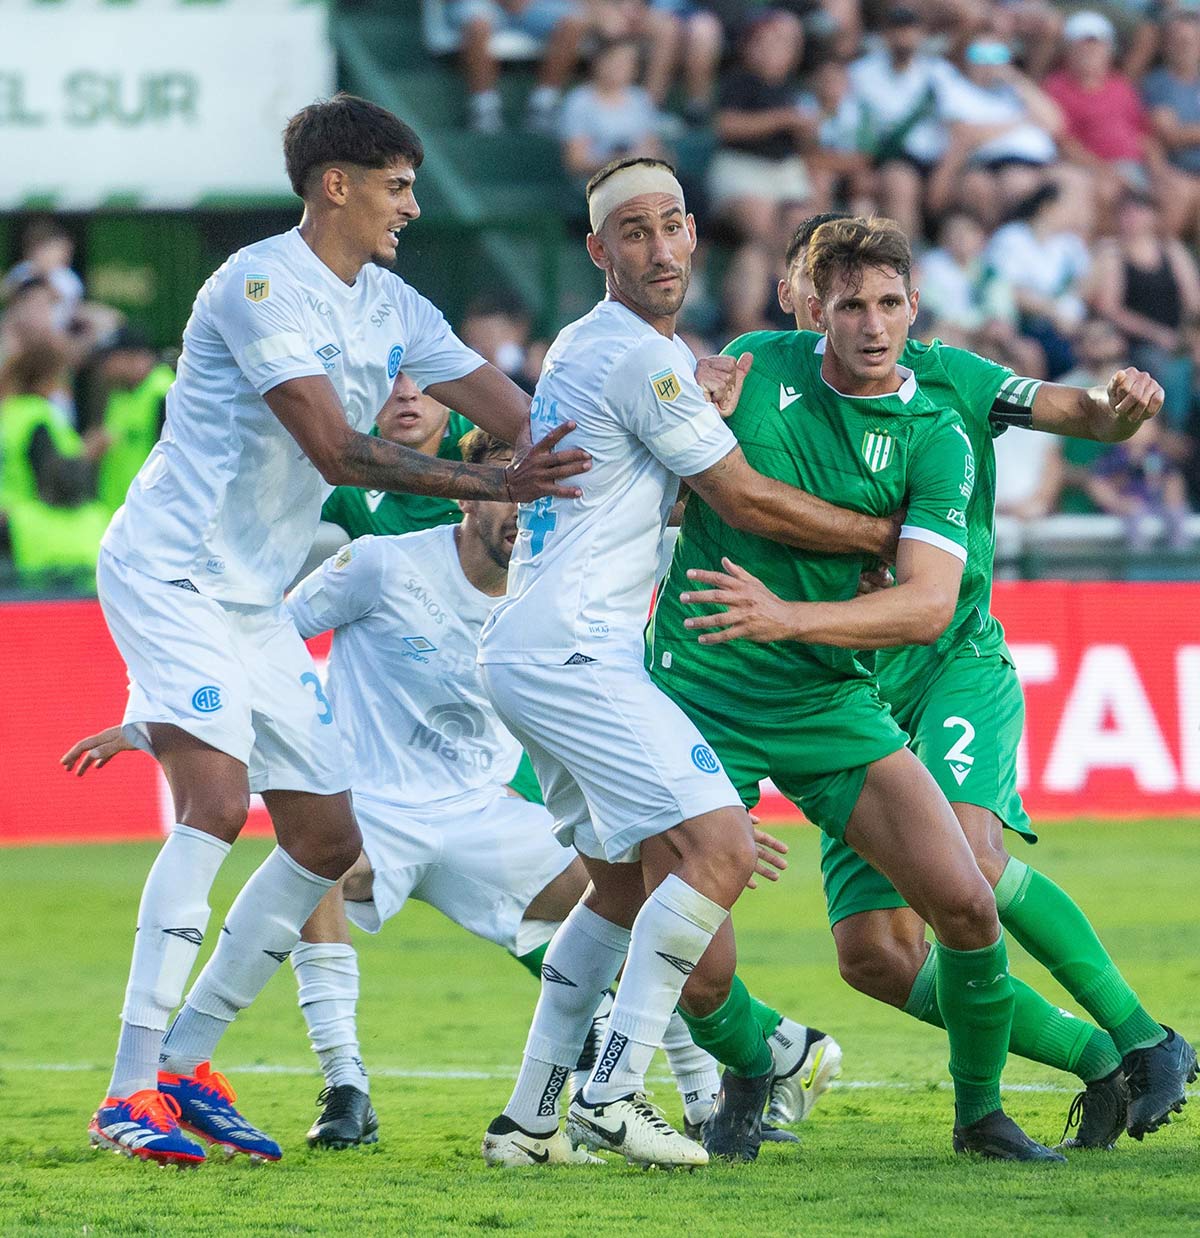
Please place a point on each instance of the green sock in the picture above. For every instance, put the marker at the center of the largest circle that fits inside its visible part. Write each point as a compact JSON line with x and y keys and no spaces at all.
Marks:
{"x":764,"y":1016}
{"x":532,"y":962}
{"x":732,"y":1034}
{"x":1040,"y":1032}
{"x":975,"y":997}
{"x":1048,"y":923}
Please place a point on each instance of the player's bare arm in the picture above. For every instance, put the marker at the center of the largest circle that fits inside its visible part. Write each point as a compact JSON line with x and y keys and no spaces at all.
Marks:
{"x":747,"y":500}
{"x":309,"y":409}
{"x":915,"y":612}
{"x":488,"y":398}
{"x":1107,"y":414}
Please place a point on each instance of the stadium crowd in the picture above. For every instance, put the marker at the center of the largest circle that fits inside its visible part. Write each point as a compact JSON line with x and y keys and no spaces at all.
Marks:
{"x":1046,"y":160}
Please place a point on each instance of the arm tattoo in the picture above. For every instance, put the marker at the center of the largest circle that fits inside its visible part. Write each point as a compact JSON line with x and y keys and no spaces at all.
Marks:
{"x":376,"y":464}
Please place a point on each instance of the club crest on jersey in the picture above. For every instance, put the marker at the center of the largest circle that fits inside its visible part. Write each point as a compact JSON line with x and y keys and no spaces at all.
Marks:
{"x":666,"y":385}
{"x":258,"y":288}
{"x":394,"y":360}
{"x":877,"y":450}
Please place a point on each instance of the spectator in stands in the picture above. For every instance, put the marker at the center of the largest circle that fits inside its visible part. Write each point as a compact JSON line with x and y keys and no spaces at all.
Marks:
{"x":839,"y":166}
{"x":1002,"y":131}
{"x":762,"y":130}
{"x":1148,"y":286}
{"x":1138,"y":481}
{"x":47,"y":472}
{"x":1042,"y":255}
{"x":608,"y":116}
{"x":47,"y":250}
{"x":30,"y":315}
{"x":683,"y":34}
{"x":1107,"y":128}
{"x":560,"y":24}
{"x":1172,"y":93}
{"x":898,"y":86}
{"x":498,"y":329}
{"x":135,"y":385}
{"x":1029,"y":474}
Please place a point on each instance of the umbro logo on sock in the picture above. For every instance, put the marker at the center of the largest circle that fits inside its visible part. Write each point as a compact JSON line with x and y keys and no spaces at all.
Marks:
{"x":553,"y":976}
{"x":193,"y":936}
{"x":280,"y":956}
{"x":677,"y":963}
{"x":610,"y":1057}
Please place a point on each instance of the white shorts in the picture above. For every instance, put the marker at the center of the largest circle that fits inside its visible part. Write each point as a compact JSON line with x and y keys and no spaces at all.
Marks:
{"x":237,"y":677}
{"x":617,"y":760}
{"x":480,"y":867}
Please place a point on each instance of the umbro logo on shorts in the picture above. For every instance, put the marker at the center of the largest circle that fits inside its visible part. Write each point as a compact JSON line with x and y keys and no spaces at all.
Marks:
{"x":578,"y":659}
{"x":553,"y":976}
{"x":184,"y":584}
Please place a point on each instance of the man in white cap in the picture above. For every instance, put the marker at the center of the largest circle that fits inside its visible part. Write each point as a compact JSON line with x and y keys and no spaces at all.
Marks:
{"x":630,"y":782}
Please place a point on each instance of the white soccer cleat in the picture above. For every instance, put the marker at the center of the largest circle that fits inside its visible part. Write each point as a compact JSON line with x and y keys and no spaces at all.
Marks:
{"x":507,"y":1144}
{"x":634,"y":1128}
{"x":794,"y":1093}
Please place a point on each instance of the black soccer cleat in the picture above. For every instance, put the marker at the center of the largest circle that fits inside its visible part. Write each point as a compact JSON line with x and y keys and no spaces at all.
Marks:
{"x":997,"y":1137}
{"x":1158,"y":1078}
{"x":347,"y":1119}
{"x":1100,"y":1112}
{"x":733,"y":1130}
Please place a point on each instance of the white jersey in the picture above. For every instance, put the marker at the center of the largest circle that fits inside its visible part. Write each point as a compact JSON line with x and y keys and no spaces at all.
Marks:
{"x":583,"y":570}
{"x":402,"y":675}
{"x":227,"y":500}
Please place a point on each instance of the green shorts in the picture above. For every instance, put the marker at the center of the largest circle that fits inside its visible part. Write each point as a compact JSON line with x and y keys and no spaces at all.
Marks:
{"x":817,"y":755}
{"x":966,"y":722}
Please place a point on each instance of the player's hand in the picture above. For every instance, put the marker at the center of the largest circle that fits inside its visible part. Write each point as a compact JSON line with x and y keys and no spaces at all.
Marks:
{"x":752,"y":611}
{"x":1134,"y":396}
{"x":721,"y":380}
{"x":771,"y":850}
{"x":874,"y":580}
{"x":536,"y":468}
{"x":95,"y":750}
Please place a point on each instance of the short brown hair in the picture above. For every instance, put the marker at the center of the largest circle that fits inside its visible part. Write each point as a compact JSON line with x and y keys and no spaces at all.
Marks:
{"x":846,"y":247}
{"x":478,"y":446}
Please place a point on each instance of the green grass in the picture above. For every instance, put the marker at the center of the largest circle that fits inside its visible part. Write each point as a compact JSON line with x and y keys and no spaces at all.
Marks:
{"x":874,"y":1159}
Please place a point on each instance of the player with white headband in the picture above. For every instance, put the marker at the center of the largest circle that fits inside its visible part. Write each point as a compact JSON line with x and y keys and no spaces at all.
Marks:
{"x":630,"y":782}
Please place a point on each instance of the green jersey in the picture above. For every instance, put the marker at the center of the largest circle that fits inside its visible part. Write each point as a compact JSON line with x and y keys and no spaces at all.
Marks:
{"x":988,"y":397}
{"x":872,"y":454}
{"x":385,"y":512}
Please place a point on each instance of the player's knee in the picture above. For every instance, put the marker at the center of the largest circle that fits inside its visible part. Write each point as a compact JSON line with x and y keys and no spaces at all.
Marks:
{"x":878,"y":969}
{"x":218,"y":812}
{"x":992,"y":858}
{"x":966,"y":918}
{"x":730,"y":863}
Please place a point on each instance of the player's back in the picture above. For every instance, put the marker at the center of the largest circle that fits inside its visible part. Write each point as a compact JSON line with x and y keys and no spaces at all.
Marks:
{"x":402,"y":676}
{"x":583,"y":570}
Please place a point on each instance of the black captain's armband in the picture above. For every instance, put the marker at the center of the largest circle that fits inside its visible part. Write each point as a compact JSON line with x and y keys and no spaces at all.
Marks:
{"x":1013,"y":405}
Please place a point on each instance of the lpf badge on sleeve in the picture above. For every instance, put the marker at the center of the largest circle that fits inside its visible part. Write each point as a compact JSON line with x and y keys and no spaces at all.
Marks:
{"x":877,"y":450}
{"x":258,"y":287}
{"x":666,"y":385}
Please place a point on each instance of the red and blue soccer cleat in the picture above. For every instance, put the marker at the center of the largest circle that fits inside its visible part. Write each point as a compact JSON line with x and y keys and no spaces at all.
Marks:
{"x":145,"y":1125}
{"x":205,"y":1102}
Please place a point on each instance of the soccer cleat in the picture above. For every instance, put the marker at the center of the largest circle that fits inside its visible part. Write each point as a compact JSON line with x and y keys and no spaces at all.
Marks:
{"x":145,"y":1125}
{"x":347,"y":1120}
{"x":1100,"y":1112}
{"x":205,"y":1102}
{"x":997,"y":1137}
{"x":507,"y":1144}
{"x":770,"y":1134}
{"x":794,"y":1093}
{"x":591,"y":1046}
{"x":1157,"y":1078}
{"x":734,"y":1129}
{"x":634,"y":1128}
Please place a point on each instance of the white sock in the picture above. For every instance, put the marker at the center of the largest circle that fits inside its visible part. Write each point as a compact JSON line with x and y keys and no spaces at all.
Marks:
{"x":787,"y":1044}
{"x":327,"y":988}
{"x":697,"y":1073}
{"x":261,"y":930}
{"x":671,"y":932}
{"x":582,"y":961}
{"x":172,"y":917}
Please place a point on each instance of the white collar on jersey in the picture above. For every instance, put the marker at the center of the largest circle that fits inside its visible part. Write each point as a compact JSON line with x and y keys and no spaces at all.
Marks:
{"x":906,"y":391}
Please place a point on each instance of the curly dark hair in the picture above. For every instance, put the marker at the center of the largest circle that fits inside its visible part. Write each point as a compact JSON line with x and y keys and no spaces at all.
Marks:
{"x":846,"y":247}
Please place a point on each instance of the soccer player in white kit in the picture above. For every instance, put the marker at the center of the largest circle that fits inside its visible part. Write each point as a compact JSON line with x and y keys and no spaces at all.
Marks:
{"x":290,"y":352}
{"x":630,"y":781}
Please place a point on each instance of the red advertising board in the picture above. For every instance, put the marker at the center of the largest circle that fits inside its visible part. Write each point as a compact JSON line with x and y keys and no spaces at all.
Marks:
{"x":1111,"y":675}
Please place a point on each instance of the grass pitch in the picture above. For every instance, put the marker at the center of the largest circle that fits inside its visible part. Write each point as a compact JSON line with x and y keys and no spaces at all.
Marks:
{"x":443,"y":1018}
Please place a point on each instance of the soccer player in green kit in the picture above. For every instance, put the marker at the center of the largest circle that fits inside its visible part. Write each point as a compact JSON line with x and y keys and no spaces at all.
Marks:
{"x":961,"y":702}
{"x":848,"y":425}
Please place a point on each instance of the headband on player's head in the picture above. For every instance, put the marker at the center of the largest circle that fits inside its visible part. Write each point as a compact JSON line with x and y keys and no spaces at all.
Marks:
{"x":628,"y":183}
